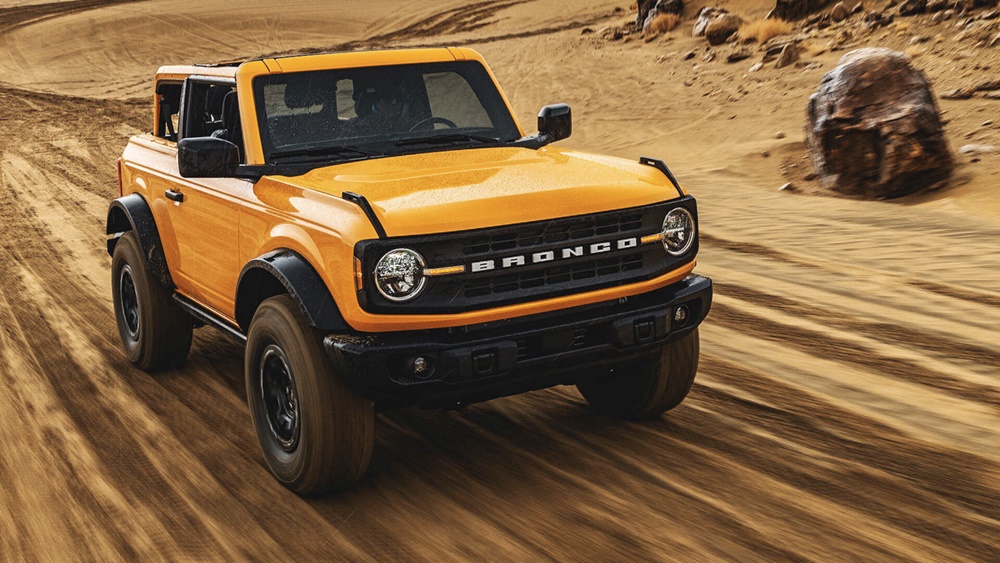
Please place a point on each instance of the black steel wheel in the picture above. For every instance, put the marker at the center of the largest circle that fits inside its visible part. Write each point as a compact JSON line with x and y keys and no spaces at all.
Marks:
{"x":637,"y":390}
{"x":155,"y":332}
{"x":316,"y":434}
{"x":278,"y":394}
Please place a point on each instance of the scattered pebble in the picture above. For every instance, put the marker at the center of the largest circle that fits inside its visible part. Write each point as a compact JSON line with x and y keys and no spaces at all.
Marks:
{"x":779,"y":135}
{"x":765,"y":154}
{"x":958,"y":94}
{"x":977,"y":149}
{"x":787,"y":187}
{"x":810,"y":177}
{"x":586,"y":30}
{"x":756,"y":66}
{"x":689,"y":55}
{"x":987,"y":123}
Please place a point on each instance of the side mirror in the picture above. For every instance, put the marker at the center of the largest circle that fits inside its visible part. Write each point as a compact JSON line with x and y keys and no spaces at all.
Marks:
{"x":555,"y":122}
{"x":207,"y":157}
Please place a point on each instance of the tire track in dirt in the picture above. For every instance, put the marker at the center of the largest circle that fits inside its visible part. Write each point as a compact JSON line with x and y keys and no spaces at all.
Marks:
{"x":852,"y":353}
{"x":950,"y":493}
{"x":940,"y":345}
{"x":22,"y":16}
{"x":451,"y":22}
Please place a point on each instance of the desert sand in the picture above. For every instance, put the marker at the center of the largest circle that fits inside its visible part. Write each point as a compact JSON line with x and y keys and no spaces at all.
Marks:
{"x":848,"y":400}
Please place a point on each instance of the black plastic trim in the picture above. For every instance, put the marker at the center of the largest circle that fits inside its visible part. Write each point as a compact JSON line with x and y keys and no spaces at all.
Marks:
{"x":298,"y":278}
{"x":362,"y":202}
{"x":521,"y":354}
{"x":662,"y":167}
{"x":209,"y":318}
{"x":132,"y":213}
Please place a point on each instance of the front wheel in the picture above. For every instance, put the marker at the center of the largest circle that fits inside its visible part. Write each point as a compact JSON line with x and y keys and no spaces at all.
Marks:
{"x":316,"y":434}
{"x":636,"y":391}
{"x":155,"y":332}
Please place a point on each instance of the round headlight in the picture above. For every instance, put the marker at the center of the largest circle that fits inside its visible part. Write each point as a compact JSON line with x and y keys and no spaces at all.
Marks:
{"x":678,"y":231}
{"x":399,"y":275}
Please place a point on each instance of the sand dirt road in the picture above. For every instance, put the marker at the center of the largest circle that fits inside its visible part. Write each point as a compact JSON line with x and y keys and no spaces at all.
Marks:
{"x":847,"y":406}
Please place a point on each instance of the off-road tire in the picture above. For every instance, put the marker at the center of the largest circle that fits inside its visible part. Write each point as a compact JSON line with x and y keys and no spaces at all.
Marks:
{"x":155,"y":332}
{"x":328,"y":442}
{"x":643,"y":390}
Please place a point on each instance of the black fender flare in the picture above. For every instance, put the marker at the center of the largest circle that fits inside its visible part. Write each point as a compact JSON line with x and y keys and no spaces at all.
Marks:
{"x":132,"y":213}
{"x":281,"y":271}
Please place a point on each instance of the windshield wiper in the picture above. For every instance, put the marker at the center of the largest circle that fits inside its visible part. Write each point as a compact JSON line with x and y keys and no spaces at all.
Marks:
{"x":447,"y":138}
{"x":322,"y":151}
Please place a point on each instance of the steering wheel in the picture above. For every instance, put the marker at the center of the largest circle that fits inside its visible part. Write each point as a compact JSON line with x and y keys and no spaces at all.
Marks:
{"x":434,"y":119}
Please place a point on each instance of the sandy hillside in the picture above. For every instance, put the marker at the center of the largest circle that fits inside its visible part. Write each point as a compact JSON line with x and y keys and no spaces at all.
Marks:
{"x":848,"y":401}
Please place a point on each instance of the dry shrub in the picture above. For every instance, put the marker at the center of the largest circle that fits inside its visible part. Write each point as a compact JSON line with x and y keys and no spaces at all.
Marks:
{"x":663,"y":23}
{"x":763,"y":30}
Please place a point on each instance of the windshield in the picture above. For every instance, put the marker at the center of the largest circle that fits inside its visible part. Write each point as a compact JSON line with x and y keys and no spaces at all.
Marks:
{"x":346,"y":114}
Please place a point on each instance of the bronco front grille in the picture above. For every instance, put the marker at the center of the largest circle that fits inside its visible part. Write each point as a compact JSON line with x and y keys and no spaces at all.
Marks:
{"x":532,"y":261}
{"x":535,"y":235}
{"x":549,"y":276}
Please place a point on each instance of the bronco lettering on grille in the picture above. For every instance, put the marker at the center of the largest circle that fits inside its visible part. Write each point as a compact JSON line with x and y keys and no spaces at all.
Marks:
{"x":551,"y":255}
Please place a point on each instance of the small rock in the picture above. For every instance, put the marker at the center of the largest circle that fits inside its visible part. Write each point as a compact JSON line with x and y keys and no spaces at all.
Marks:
{"x":688,"y":56}
{"x":810,"y":177}
{"x":765,"y":154}
{"x":988,"y":85}
{"x":787,"y":187}
{"x":911,"y":7}
{"x":738,"y":56}
{"x":779,"y":135}
{"x":586,"y":30}
{"x":987,"y":123}
{"x":789,"y":54}
{"x":919,"y":39}
{"x":936,"y":5}
{"x":977,"y":149}
{"x":756,"y":66}
{"x":839,"y":12}
{"x":958,"y":94}
{"x":995,"y":41}
{"x":992,"y":95}
{"x":709,"y":57}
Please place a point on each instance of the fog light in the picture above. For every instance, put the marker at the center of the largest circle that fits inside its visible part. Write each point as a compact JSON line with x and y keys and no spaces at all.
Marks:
{"x":681,"y":315}
{"x":422,"y":367}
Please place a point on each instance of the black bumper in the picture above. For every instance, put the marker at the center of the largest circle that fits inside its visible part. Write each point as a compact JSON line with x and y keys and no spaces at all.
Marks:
{"x":476,"y":363}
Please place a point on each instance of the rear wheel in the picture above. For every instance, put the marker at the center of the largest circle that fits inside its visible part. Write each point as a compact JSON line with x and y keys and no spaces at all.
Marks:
{"x":644,"y":390}
{"x":155,"y":332}
{"x":316,"y":434}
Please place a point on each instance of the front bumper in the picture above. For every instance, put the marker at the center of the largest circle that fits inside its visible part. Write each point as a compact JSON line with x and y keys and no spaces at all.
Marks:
{"x":468,"y":364}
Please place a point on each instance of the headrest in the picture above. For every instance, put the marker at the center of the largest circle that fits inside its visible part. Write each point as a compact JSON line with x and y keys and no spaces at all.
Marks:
{"x":230,"y":110}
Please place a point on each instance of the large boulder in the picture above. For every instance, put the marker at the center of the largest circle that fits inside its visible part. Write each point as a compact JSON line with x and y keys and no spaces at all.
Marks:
{"x":797,"y":9}
{"x":649,"y":9}
{"x":874,"y":130}
{"x":705,"y":17}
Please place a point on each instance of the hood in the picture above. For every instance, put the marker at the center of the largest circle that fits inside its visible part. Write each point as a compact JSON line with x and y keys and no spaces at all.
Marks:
{"x":466,"y":189}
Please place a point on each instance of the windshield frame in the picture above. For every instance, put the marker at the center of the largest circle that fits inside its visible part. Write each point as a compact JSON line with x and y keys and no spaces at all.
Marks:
{"x":504,"y":128}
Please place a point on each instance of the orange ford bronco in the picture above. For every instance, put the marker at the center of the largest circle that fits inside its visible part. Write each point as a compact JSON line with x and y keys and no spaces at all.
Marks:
{"x":379,"y":231}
